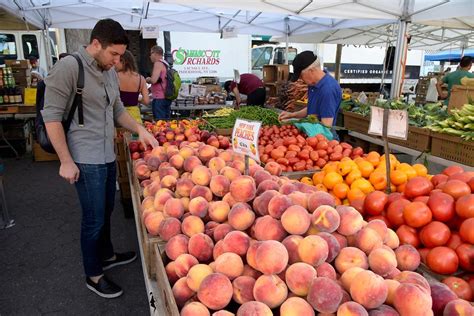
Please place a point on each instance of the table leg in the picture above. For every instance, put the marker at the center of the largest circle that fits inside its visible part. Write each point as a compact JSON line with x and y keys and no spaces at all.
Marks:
{"x":8,"y":145}
{"x":7,"y":221}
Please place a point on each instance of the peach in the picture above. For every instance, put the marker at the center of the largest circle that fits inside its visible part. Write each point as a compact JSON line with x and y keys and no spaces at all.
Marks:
{"x":260,"y":176}
{"x":183,"y":187}
{"x":176,"y":161}
{"x":351,"y":309}
{"x":195,"y":309}
{"x":183,"y":263}
{"x":252,"y":254}
{"x":218,"y":211}
{"x":267,"y":185}
{"x":243,"y":189}
{"x":291,"y":244}
{"x":254,"y":167}
{"x":201,"y":175}
{"x":215,"y":291}
{"x":221,"y":231}
{"x":173,"y":208}
{"x":230,"y":173}
{"x":295,"y":220}
{"x":262,"y":202}
{"x":198,"y":206}
{"x":392,"y":286}
{"x":324,"y":295}
{"x":251,"y":272}
{"x":408,"y":258}
{"x":229,"y":199}
{"x":296,"y":306}
{"x":351,"y":257}
{"x":458,"y":307}
{"x":382,"y":261}
{"x":392,"y":239}
{"x":176,"y":246}
{"x":223,"y":313}
{"x":171,"y":273}
{"x":413,"y":278}
{"x":241,"y":216}
{"x":169,"y":227}
{"x":254,"y":309}
{"x":142,"y":172}
{"x":348,"y":277}
{"x":239,"y":165}
{"x":151,"y":189}
{"x":333,"y":245}
{"x":351,"y":220}
{"x":268,"y":228}
{"x":186,"y":152}
{"x":181,"y":292}
{"x":369,"y":290}
{"x":218,"y":249}
{"x":168,"y":171}
{"x":196,"y":274}
{"x":340,"y":239}
{"x":243,"y":289}
{"x":326,"y":270}
{"x":270,"y":290}
{"x":161,"y":196}
{"x":313,"y":250}
{"x":299,"y":277}
{"x":153,"y":221}
{"x":287,"y":188}
{"x":200,"y":246}
{"x":368,"y":239}
{"x":185,"y":201}
{"x":186,"y":175}
{"x":192,"y":225}
{"x":226,"y":155}
{"x":383,"y":310}
{"x":237,"y":242}
{"x":319,"y":198}
{"x":199,"y":190}
{"x":278,"y":204}
{"x":410,"y":299}
{"x":273,"y":168}
{"x":191,"y":163}
{"x":325,"y":218}
{"x":230,"y":264}
{"x":380,"y":227}
{"x":219,"y":185}
{"x":206,"y":153}
{"x":299,"y":198}
{"x":209,"y":228}
{"x":271,"y":257}
{"x":216,"y":163}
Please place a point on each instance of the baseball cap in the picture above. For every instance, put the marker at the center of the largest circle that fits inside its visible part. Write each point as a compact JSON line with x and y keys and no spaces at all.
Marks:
{"x":301,"y":62}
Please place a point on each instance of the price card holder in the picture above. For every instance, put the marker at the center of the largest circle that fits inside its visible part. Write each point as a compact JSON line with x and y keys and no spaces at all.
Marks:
{"x":396,"y":123}
{"x":245,"y":139}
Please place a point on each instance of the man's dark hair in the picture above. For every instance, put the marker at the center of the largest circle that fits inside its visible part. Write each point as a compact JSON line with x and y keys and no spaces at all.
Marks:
{"x":227,"y":85}
{"x":465,"y":61}
{"x":109,"y":32}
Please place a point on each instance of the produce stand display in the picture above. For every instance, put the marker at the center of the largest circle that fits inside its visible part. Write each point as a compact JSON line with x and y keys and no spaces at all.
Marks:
{"x":452,"y":148}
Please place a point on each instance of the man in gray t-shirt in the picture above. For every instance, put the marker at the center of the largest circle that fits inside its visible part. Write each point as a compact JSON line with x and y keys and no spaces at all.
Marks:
{"x":87,"y":151}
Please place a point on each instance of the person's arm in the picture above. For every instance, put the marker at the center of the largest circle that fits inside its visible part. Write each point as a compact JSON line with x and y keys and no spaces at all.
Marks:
{"x":156,"y":73}
{"x":237,"y":97}
{"x":289,"y":115}
{"x":127,"y":121}
{"x":439,"y":88}
{"x":145,"y":99}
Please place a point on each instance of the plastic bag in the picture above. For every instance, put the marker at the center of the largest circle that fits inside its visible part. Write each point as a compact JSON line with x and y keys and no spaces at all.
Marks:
{"x":313,"y":129}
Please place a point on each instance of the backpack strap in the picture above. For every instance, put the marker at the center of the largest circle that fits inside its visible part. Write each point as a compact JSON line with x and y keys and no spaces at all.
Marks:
{"x":77,"y":103}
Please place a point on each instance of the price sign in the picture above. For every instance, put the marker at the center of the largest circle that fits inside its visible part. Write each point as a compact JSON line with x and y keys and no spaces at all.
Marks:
{"x":245,"y":138}
{"x":150,"y":32}
{"x":229,"y":32}
{"x":397,"y":125}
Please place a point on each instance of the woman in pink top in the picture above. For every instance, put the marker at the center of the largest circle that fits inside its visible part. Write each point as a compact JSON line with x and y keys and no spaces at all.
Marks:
{"x":160,"y":105}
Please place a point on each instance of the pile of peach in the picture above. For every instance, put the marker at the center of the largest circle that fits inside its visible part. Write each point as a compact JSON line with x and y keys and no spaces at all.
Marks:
{"x":260,"y":244}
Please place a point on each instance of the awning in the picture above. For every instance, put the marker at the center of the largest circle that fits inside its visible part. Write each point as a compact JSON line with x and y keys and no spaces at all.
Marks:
{"x":449,"y":55}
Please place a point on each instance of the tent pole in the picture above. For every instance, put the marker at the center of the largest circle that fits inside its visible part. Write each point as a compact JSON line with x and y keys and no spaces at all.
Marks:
{"x":287,"y":31}
{"x":399,"y":58}
{"x":337,"y":68}
{"x":167,"y":41}
{"x":47,"y":47}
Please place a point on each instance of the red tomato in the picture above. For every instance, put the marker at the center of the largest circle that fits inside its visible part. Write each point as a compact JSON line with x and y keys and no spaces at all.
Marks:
{"x":408,"y":235}
{"x":312,"y":141}
{"x":470,"y":280}
{"x":442,"y":260}
{"x":451,"y":170}
{"x":442,"y":206}
{"x":465,"y":206}
{"x":456,"y":188}
{"x":465,"y":253}
{"x":463,"y":176}
{"x":460,"y":287}
{"x":417,"y":214}
{"x":358,"y":204}
{"x":418,"y":186}
{"x":435,"y":234}
{"x":395,"y":211}
{"x":471,"y":184}
{"x":375,"y":202}
{"x":424,"y":253}
{"x":421,"y":198}
{"x":467,"y":230}
{"x":454,"y":240}
{"x":438,"y":179}
{"x":394,"y":196}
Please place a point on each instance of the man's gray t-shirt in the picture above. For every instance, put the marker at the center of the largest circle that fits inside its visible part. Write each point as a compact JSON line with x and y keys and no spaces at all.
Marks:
{"x":92,"y":143}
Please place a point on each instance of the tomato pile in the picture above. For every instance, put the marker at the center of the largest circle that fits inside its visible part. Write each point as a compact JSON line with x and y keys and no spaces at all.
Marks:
{"x":293,"y":151}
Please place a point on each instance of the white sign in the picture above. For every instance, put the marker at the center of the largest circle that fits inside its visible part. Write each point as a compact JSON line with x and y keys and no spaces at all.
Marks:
{"x":229,"y":32}
{"x":245,"y":138}
{"x":236,"y":76}
{"x":198,"y":90}
{"x":409,"y":85}
{"x":397,"y":123}
{"x":150,"y":32}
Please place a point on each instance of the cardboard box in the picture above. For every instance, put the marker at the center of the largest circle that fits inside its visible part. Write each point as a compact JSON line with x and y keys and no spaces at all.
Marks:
{"x":460,"y":95}
{"x":213,"y":88}
{"x":17,"y":63}
{"x":275,"y":73}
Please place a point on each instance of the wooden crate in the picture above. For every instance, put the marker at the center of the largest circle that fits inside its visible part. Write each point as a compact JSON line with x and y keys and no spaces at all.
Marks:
{"x":164,"y":286}
{"x":356,"y":122}
{"x":122,"y":169}
{"x":40,"y":155}
{"x":452,"y":148}
{"x":418,"y":139}
{"x":224,"y":131}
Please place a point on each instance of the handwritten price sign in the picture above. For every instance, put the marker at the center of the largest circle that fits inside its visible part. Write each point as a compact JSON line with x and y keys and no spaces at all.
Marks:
{"x":397,"y":123}
{"x":245,"y":138}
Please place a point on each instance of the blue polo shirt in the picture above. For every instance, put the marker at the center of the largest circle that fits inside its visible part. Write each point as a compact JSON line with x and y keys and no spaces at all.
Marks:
{"x":324,"y":98}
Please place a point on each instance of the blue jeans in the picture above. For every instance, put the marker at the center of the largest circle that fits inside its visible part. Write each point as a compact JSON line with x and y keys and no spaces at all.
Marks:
{"x":96,"y":190}
{"x":161,"y":108}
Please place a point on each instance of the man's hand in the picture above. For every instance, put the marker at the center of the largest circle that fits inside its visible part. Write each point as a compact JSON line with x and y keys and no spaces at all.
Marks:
{"x":69,"y":171}
{"x":285,"y":116}
{"x":147,"y":138}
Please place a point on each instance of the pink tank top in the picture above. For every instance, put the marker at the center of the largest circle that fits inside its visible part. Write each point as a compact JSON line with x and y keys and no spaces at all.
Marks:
{"x":158,"y":89}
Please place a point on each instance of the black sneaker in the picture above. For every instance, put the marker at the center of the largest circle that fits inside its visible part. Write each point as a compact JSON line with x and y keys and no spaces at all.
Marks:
{"x":120,"y":258}
{"x":104,"y":288}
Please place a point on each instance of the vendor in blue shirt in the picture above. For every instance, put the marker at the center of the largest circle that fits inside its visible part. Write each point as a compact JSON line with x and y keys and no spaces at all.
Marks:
{"x":324,"y":92}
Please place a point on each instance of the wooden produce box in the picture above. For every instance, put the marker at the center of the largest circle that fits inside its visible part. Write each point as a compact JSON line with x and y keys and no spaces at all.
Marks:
{"x":40,"y":155}
{"x":452,"y":148}
{"x":273,"y":89}
{"x":275,"y":73}
{"x":418,"y":139}
{"x":17,"y":63}
{"x":224,"y":131}
{"x":460,"y":95}
{"x":356,"y":122}
{"x":164,"y":286}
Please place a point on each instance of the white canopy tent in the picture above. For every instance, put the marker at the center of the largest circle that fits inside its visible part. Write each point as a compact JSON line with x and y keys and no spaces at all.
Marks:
{"x":331,"y":21}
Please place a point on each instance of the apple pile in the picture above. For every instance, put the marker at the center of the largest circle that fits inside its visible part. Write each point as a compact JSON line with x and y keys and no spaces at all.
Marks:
{"x":262,"y":244}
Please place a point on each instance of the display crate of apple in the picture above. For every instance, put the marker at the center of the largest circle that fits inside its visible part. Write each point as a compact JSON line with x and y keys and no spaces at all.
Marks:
{"x":265,"y":244}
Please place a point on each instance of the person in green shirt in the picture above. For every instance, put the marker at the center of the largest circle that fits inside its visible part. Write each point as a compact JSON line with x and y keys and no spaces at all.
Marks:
{"x":454,"y":78}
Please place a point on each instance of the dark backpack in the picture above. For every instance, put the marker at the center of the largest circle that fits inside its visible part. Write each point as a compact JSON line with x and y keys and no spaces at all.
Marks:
{"x":40,"y":128}
{"x":173,"y":82}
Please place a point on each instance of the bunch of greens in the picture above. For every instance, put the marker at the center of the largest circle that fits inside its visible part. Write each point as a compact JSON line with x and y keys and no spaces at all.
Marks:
{"x":253,"y":113}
